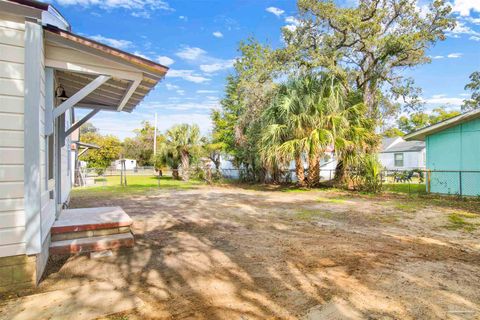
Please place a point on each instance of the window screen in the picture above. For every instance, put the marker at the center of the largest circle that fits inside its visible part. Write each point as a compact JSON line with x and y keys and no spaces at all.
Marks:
{"x":398,"y":159}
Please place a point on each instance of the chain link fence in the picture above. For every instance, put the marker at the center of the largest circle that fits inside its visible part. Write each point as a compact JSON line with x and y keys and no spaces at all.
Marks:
{"x":416,"y":181}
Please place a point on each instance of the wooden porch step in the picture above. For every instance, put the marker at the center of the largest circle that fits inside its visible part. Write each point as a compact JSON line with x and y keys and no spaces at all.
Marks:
{"x":88,"y":219}
{"x":114,"y":241}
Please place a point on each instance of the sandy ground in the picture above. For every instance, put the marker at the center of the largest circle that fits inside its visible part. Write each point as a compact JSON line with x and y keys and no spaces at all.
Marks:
{"x":232,"y":253}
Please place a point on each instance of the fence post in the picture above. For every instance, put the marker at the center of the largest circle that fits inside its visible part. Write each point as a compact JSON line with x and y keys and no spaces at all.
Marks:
{"x":428,"y":180}
{"x":460,"y":181}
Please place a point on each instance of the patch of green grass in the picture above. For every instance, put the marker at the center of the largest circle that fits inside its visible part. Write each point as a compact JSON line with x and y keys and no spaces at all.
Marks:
{"x":457,"y":220}
{"x":408,"y":206}
{"x":415,"y":188}
{"x":308,"y":214}
{"x":331,"y":200}
{"x":110,"y":186}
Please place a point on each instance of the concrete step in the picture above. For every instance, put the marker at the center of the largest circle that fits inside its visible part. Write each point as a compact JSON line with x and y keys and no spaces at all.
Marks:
{"x":100,"y":243}
{"x":89,"y":219}
{"x":88,"y":233}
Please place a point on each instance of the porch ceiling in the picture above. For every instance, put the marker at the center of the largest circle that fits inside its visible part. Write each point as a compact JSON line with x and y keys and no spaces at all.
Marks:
{"x":108,"y":96}
{"x":78,"y":61}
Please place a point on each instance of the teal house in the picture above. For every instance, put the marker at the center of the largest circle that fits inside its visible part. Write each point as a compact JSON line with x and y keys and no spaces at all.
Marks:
{"x":453,"y":154}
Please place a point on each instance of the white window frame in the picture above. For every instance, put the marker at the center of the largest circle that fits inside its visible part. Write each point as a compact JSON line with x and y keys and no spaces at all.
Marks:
{"x":395,"y":159}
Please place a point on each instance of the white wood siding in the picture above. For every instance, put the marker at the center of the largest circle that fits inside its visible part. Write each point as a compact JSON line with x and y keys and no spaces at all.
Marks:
{"x":12,"y":217}
{"x":411,"y":160}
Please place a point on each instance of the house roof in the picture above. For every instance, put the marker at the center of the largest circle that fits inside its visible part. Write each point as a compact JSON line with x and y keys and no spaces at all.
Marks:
{"x":446,"y":124}
{"x":388,"y":142}
{"x":78,"y":61}
{"x":406,"y":146}
{"x":123,"y":92}
{"x":153,"y":68}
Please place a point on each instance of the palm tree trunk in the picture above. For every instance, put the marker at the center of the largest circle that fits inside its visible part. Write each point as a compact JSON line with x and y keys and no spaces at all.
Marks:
{"x":314,"y":170}
{"x":340,"y":172}
{"x":185,"y":165}
{"x":300,"y":171}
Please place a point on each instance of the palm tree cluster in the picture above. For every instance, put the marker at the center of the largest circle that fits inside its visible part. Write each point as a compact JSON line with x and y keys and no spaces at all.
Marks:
{"x":181,"y":145}
{"x":308,"y":115}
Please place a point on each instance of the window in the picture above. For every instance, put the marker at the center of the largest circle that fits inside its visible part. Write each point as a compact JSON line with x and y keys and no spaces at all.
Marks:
{"x":398,"y":157}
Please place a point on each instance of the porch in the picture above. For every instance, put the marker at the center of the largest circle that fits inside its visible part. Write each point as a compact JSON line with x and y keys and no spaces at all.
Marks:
{"x":91,"y":229}
{"x":81,"y":74}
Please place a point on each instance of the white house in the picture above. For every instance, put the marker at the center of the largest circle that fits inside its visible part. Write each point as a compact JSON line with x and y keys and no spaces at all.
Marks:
{"x":46,"y":73}
{"x":130,"y":164}
{"x":398,"y":154}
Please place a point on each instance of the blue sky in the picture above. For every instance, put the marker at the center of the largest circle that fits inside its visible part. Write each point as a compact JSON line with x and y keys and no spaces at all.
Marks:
{"x":198,"y":39}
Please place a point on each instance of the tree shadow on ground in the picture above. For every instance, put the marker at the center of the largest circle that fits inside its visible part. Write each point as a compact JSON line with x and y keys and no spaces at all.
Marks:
{"x":234,"y":255}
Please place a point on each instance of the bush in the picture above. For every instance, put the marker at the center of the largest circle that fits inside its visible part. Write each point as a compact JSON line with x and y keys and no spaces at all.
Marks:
{"x":368,"y":174}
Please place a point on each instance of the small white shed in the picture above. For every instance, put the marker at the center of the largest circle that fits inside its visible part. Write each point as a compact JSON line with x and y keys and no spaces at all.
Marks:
{"x":130,"y":164}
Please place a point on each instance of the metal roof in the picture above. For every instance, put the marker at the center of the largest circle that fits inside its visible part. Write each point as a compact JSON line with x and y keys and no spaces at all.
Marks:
{"x":406,"y":146}
{"x":422,"y":133}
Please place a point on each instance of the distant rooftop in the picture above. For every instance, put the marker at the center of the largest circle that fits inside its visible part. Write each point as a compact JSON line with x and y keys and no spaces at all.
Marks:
{"x":407,"y":146}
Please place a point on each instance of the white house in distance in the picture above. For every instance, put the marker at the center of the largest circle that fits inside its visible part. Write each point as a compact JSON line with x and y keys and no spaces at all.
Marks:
{"x":398,"y":154}
{"x":46,"y":73}
{"x":130,"y":164}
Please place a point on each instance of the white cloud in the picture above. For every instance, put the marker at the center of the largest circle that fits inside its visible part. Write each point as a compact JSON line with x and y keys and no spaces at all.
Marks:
{"x":203,"y":106}
{"x":180,"y":92}
{"x":464,"y":7}
{"x":473,"y":20}
{"x":440,"y":99}
{"x":462,"y":29}
{"x":217,"y":66}
{"x":166,"y":61}
{"x":170,"y":86}
{"x":207,"y":91}
{"x":455,"y":55}
{"x":218,"y":34}
{"x":138,"y":8}
{"x":292,"y":23}
{"x":292,"y":20}
{"x":474,"y":38}
{"x":205,"y":62}
{"x":184,"y":18}
{"x":188,"y":75}
{"x":139,"y":54}
{"x":198,"y":116}
{"x":116,"y":43}
{"x":276,"y":11}
{"x":191,"y":53}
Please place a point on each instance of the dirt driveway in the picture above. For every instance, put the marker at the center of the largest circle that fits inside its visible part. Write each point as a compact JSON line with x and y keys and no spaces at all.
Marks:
{"x":233,"y":253}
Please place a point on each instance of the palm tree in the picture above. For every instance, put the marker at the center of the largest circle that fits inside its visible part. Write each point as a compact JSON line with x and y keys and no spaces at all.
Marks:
{"x":168,"y":156}
{"x":300,"y":123}
{"x":184,"y":141}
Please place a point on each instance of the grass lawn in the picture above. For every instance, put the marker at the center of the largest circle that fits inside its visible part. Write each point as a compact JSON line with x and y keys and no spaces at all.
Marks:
{"x":405,"y":188}
{"x":105,"y":186}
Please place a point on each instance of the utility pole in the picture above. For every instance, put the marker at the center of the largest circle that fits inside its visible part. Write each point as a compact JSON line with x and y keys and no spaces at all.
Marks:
{"x":155,"y":137}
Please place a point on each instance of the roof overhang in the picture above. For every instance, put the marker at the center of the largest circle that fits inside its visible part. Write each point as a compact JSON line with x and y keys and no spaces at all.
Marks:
{"x":78,"y":61}
{"x":36,"y":10}
{"x":449,"y":123}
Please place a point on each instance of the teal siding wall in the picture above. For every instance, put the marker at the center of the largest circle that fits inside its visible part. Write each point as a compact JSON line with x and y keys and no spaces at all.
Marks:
{"x":455,"y":149}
